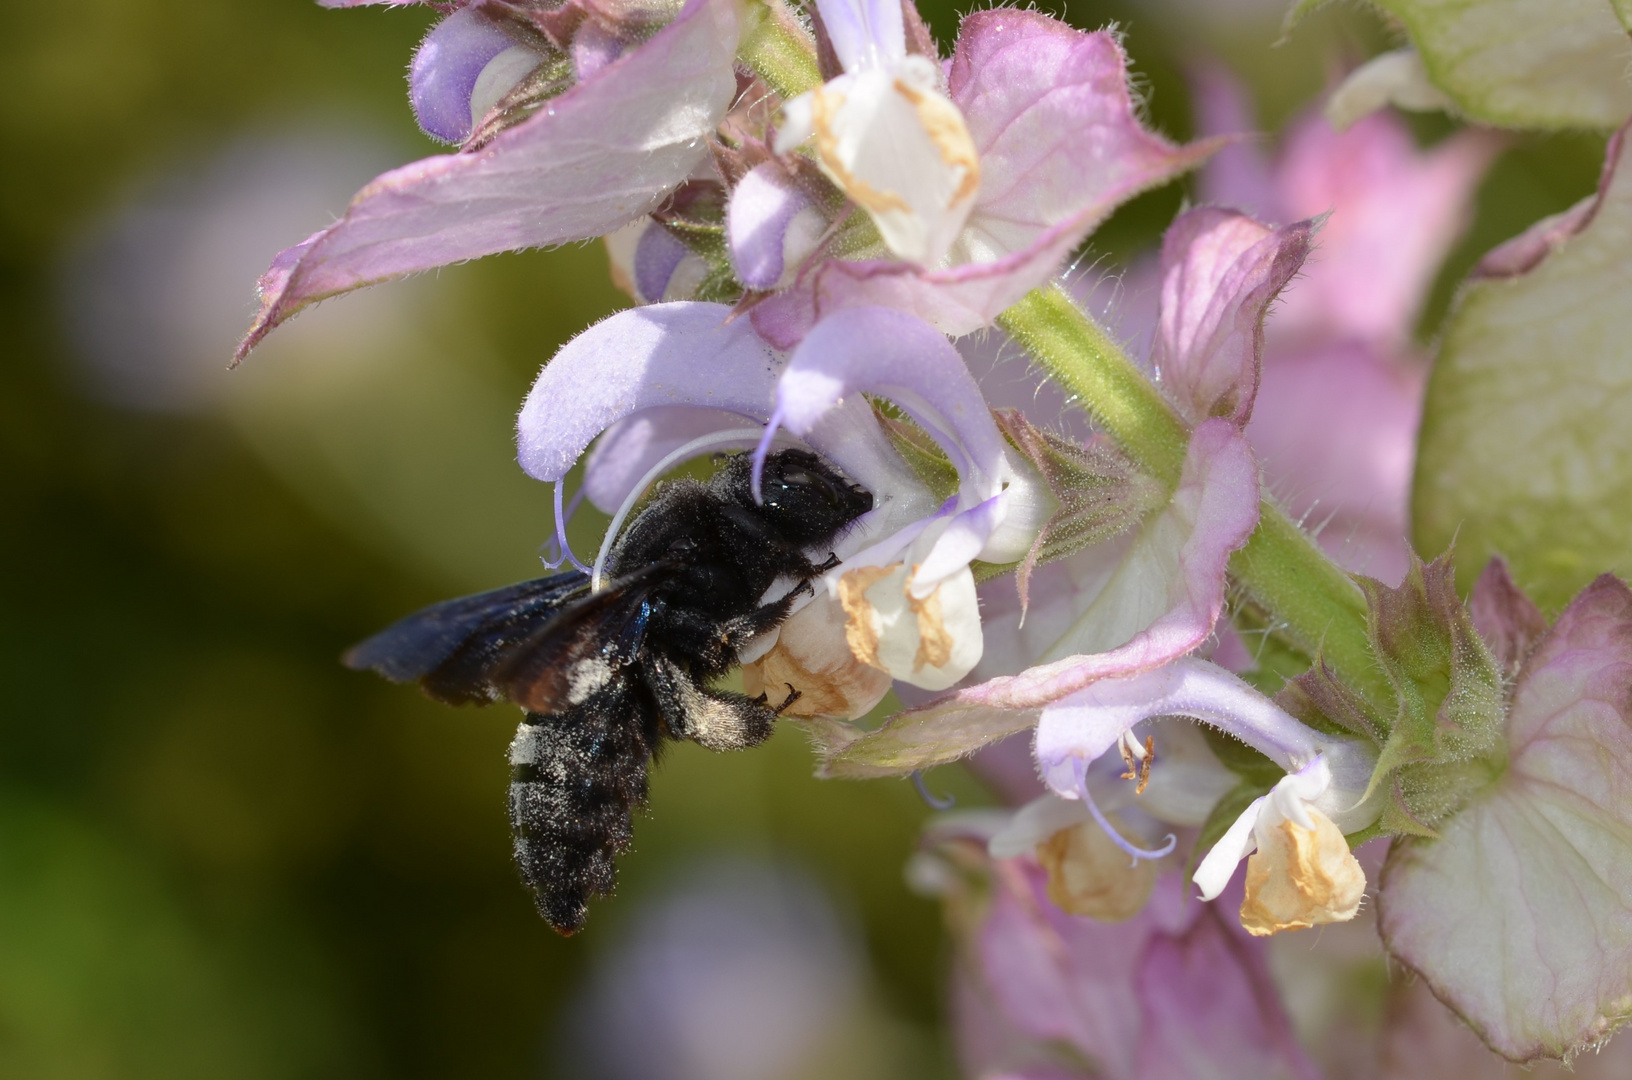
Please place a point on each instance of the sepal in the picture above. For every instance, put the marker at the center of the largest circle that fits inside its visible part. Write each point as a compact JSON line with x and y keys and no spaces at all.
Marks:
{"x":1445,"y":738}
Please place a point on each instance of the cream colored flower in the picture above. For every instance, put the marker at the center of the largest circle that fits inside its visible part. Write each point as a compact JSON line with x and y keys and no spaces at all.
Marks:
{"x":887,"y":135}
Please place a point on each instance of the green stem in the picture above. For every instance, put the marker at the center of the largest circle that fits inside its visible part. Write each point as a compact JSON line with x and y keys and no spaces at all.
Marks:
{"x":1315,"y":602}
{"x":779,"y":50}
{"x":1100,"y":378}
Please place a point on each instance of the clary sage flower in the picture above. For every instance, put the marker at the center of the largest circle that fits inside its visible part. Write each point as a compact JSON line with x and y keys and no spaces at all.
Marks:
{"x":901,"y":602}
{"x":1151,"y":594}
{"x":886,"y":134}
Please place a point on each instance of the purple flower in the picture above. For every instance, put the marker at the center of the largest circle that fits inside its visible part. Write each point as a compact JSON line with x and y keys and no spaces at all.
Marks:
{"x":603,"y":153}
{"x":1136,"y":602}
{"x":1518,"y":915}
{"x":675,"y":379}
{"x":980,"y":185}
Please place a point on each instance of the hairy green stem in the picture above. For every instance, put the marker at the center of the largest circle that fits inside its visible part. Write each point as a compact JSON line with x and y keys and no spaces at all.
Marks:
{"x":1314,"y":601}
{"x":777,"y":48}
{"x":1100,"y":379}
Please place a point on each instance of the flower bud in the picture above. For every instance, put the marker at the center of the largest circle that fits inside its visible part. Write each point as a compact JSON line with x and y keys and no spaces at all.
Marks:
{"x":461,"y":70}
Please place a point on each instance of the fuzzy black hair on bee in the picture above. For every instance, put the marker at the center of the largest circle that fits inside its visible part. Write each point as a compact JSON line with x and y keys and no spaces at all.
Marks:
{"x":607,"y":676}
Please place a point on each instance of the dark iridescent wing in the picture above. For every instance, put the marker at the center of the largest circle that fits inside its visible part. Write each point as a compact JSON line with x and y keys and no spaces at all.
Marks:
{"x":501,"y":644}
{"x":584,"y":648}
{"x":453,"y":646}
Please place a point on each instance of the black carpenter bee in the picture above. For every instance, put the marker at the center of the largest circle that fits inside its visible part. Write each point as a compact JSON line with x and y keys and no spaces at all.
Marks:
{"x":605,"y":676}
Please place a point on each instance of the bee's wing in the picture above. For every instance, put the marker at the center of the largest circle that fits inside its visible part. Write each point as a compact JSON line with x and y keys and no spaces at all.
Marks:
{"x":583,"y":648}
{"x":451,"y":648}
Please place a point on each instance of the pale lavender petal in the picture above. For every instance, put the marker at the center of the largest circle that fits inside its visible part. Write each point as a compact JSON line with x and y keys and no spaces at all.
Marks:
{"x":962,"y":542}
{"x":1220,"y":272}
{"x":864,"y":33}
{"x":1211,"y":514}
{"x":646,"y":357}
{"x":763,"y":206}
{"x":687,"y":357}
{"x":1080,"y":727}
{"x":1174,"y":992}
{"x":633,"y":445}
{"x":1519,"y":917}
{"x":893,"y":355}
{"x":599,"y":155}
{"x":445,"y":68}
{"x":657,"y":255}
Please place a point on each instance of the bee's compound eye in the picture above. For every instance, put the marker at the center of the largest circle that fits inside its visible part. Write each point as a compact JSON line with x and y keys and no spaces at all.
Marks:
{"x":798,"y":478}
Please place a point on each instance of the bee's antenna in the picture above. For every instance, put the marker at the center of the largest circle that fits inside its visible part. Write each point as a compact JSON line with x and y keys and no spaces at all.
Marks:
{"x":669,"y":460}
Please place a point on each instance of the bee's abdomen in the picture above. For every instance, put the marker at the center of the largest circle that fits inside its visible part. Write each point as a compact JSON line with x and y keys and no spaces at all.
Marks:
{"x":576,"y":778}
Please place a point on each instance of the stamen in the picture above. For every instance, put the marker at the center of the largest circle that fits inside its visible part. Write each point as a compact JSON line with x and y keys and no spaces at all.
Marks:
{"x":756,"y":476}
{"x":1081,"y":768}
{"x":555,"y":551}
{"x":690,"y":449}
{"x":943,"y":802}
{"x":1137,"y":759}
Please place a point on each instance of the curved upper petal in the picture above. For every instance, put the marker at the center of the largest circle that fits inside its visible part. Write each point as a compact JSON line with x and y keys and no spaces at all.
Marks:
{"x":1160,"y":601}
{"x":1176,"y":991}
{"x":601,"y":154}
{"x":864,"y":33}
{"x":664,"y":354}
{"x":876,"y":350}
{"x":1519,"y":916}
{"x":1086,"y":724}
{"x":632,"y":446}
{"x":685,"y":355}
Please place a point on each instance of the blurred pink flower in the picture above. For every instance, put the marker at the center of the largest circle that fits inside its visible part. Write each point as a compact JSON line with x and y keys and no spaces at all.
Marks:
{"x":1175,"y":993}
{"x":1342,"y":386}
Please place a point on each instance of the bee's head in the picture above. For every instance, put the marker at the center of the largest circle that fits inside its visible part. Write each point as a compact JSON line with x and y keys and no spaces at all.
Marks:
{"x":804,"y":498}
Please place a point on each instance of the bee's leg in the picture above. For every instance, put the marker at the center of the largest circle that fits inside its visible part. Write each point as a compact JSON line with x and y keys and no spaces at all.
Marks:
{"x":717,"y":719}
{"x":793,"y":695}
{"x":735,"y":632}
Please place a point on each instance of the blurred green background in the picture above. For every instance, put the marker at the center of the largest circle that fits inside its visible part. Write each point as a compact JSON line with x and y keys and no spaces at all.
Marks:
{"x":221,"y":853}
